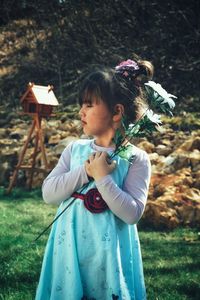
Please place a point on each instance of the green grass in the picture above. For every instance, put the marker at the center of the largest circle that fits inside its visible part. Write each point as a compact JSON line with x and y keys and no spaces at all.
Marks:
{"x":171,"y":259}
{"x":171,"y":263}
{"x":22,"y":216}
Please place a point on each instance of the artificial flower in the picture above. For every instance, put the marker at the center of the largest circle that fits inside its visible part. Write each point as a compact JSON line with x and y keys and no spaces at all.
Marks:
{"x":127,"y":64}
{"x":154,"y":118}
{"x":160,"y":94}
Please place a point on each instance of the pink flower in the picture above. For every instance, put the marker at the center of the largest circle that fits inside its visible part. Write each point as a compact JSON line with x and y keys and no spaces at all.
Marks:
{"x":127,"y":64}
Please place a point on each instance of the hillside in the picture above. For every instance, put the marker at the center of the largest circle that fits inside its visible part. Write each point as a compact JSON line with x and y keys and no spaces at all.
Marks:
{"x":57,"y":42}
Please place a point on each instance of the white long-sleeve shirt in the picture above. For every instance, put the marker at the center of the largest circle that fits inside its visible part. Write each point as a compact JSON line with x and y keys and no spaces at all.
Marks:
{"x":127,"y":203}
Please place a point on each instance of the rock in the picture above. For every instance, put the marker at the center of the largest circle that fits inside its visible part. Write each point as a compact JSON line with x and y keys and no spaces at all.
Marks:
{"x":58,"y":149}
{"x":18,"y":133}
{"x":54,"y":140}
{"x":147,"y":146}
{"x":163,"y":150}
{"x":197,"y":180}
{"x":4,"y":132}
{"x":154,"y":158}
{"x":194,"y":158}
{"x":37,"y":180}
{"x":186,"y":214}
{"x":182,"y":160}
{"x":8,"y":142}
{"x":169,"y":160}
{"x":191,"y":144}
{"x":192,"y":194}
{"x":159,"y":216}
{"x":159,"y":190}
{"x":5,"y":172}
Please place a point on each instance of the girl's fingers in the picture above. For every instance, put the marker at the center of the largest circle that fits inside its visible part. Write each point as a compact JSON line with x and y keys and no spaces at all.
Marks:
{"x":98,"y":154}
{"x":112,"y":165}
{"x":91,"y":157}
{"x":95,"y":155}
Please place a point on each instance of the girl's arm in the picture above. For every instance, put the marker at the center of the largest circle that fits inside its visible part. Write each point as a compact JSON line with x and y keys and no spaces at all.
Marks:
{"x":62,"y":182}
{"x":128,"y":204}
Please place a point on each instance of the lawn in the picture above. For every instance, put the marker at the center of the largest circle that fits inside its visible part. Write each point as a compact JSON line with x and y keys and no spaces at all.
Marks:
{"x":171,"y":258}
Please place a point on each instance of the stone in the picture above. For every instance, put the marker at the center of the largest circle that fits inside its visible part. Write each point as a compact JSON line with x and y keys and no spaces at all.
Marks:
{"x":194,"y":158}
{"x":191,"y":144}
{"x":158,"y":215}
{"x":169,"y":160}
{"x":58,"y":149}
{"x":54,"y":140}
{"x":8,"y":142}
{"x":4,"y":132}
{"x":154,"y":158}
{"x":147,"y":146}
{"x":18,"y":133}
{"x":197,"y":182}
{"x":192,"y":194}
{"x":163,"y":149}
{"x":182,"y":160}
{"x":186,"y":214}
{"x":159,"y":190}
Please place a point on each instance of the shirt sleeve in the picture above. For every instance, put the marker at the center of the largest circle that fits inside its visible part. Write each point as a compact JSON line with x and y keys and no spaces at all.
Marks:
{"x":62,"y":182}
{"x":129,"y":202}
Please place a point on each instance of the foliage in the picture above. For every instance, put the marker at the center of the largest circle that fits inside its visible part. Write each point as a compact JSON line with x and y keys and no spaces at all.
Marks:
{"x":171,"y":259}
{"x":57,"y":42}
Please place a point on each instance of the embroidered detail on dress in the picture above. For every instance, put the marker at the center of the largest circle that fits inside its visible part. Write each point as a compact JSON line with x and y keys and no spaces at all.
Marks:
{"x":86,"y":298}
{"x":93,"y":201}
{"x":114,"y":297}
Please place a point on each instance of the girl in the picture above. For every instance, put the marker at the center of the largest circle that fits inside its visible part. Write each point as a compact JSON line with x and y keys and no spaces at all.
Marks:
{"x":93,"y":250}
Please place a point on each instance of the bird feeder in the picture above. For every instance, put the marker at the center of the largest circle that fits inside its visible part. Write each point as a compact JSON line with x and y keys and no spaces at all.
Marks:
{"x":38,"y":102}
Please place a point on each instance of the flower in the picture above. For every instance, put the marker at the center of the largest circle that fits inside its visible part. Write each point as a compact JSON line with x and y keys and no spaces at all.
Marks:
{"x":154,"y":118}
{"x":160,"y":94}
{"x":127,"y":65}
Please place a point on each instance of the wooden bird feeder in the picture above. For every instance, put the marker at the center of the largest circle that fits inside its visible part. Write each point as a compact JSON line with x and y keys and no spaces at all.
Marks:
{"x":38,"y":102}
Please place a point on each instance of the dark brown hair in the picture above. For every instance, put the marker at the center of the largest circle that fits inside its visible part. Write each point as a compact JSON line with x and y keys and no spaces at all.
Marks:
{"x":114,"y":88}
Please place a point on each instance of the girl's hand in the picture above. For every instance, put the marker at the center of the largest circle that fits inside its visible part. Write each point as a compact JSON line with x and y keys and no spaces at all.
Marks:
{"x":98,"y":165}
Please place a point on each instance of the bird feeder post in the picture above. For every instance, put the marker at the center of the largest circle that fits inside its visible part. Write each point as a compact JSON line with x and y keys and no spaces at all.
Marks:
{"x":38,"y":102}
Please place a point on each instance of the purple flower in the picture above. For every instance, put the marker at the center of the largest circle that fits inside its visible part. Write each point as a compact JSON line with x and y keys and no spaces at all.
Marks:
{"x":127,"y":65}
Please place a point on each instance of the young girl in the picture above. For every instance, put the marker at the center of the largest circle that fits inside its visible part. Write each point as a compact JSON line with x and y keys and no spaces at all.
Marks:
{"x":93,"y":251}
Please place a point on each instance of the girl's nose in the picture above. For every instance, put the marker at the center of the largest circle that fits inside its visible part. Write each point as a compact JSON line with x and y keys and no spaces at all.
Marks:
{"x":81,"y":112}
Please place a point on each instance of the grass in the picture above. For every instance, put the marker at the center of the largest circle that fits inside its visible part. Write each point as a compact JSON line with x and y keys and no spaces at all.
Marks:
{"x":171,"y":259}
{"x":171,"y":264}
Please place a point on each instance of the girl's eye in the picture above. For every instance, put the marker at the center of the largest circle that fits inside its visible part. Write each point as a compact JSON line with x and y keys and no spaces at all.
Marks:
{"x":87,"y":104}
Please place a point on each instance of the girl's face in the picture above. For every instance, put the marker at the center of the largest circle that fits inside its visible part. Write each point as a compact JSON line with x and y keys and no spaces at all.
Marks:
{"x":96,"y":119}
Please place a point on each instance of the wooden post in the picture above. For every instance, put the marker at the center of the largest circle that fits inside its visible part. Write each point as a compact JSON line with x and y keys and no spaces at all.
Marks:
{"x":37,"y":127}
{"x":33,"y":161}
{"x":38,"y":120}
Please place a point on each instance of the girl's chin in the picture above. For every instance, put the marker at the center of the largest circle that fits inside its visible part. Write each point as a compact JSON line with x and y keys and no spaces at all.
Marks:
{"x":86,"y":132}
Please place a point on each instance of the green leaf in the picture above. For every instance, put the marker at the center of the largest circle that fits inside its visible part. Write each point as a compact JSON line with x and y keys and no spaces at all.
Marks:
{"x":126,"y":152}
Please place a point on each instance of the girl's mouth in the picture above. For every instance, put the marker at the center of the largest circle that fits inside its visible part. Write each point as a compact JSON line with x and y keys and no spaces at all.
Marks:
{"x":83,"y":123}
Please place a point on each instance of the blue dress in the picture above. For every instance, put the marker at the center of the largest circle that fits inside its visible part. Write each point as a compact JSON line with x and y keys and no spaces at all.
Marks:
{"x":93,"y":256}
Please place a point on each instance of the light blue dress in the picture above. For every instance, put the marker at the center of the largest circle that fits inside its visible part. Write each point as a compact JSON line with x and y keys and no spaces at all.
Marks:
{"x":92,"y":255}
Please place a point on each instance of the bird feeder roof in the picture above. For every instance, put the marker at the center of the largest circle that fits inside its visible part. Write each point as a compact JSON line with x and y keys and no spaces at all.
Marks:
{"x":40,"y":94}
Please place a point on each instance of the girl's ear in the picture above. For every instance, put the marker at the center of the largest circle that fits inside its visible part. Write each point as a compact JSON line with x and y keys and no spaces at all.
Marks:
{"x":118,"y":112}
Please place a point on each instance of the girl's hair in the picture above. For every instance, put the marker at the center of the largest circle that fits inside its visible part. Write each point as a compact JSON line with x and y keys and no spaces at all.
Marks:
{"x":122,"y":85}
